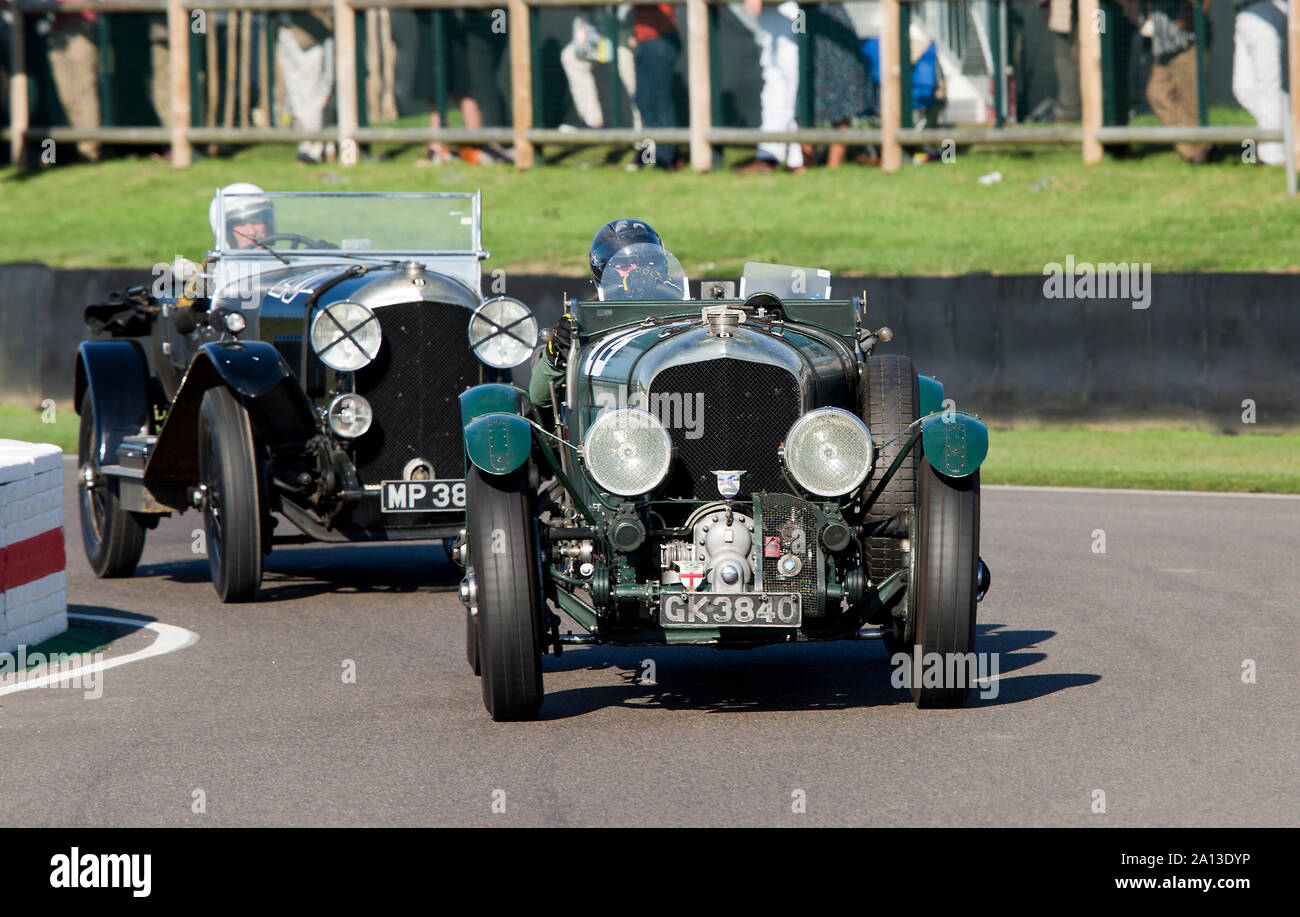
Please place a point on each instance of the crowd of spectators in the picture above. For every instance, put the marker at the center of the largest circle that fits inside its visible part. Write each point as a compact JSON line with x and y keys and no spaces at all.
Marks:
{"x":644,"y":42}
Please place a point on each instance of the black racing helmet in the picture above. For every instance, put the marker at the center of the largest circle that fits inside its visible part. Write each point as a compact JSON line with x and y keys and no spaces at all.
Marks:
{"x":615,"y":236}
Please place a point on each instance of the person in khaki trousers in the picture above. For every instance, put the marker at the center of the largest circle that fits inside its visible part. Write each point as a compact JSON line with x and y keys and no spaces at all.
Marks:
{"x":74,"y":65}
{"x":1171,"y":88}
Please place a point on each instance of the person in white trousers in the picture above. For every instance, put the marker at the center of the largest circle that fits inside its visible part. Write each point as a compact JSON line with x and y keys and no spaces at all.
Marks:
{"x":582,"y":83}
{"x":1259,"y":47}
{"x":779,"y":61}
{"x":306,"y":58}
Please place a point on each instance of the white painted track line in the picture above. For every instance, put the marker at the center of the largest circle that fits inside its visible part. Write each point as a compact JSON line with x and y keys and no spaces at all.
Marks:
{"x":170,"y":638}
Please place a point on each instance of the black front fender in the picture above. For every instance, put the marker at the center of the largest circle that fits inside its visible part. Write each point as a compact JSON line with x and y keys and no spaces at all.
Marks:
{"x":258,"y":376}
{"x":116,"y":373}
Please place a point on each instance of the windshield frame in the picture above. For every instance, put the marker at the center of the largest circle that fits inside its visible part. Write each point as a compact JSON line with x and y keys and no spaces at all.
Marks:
{"x":223,"y":249}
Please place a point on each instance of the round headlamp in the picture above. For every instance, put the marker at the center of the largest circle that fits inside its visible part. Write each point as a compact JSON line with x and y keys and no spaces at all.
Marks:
{"x":627,"y":451}
{"x":350,"y":415}
{"x":503,"y":332}
{"x":828,"y":452}
{"x":346,"y":336}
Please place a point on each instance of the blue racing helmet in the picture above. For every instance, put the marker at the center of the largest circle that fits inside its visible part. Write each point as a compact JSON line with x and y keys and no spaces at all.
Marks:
{"x":615,"y":236}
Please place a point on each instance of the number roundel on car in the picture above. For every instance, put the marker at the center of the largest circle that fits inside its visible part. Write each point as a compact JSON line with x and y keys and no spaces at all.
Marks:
{"x":503,"y":332}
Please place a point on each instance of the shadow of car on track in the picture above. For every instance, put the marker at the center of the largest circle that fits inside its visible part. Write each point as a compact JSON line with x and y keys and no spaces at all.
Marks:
{"x":820,"y":676}
{"x":295,"y":573}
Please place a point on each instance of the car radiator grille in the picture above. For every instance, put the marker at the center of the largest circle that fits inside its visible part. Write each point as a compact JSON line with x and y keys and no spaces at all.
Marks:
{"x":742,"y":412}
{"x":414,"y":385}
{"x":778,"y":513}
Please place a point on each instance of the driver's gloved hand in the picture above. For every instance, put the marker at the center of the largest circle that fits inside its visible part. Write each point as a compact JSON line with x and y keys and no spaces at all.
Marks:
{"x":557,"y":348}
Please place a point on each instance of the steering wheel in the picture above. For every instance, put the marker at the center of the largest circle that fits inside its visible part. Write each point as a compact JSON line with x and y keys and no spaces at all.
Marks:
{"x":296,"y":241}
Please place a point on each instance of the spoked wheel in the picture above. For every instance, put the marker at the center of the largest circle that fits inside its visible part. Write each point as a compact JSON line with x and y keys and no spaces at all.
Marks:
{"x":230,"y":479}
{"x":508,"y":637}
{"x":113,"y":537}
{"x":945,"y":579}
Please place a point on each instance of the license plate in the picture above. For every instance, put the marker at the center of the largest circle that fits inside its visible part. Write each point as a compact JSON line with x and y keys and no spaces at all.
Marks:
{"x":712,"y":609}
{"x":421,"y":496}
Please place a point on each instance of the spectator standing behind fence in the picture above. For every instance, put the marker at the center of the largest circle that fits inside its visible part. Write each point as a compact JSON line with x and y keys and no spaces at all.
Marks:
{"x":1171,"y":89}
{"x":657,"y":48}
{"x":305,"y":55}
{"x":474,"y":49}
{"x":779,"y":61}
{"x":1062,"y":24}
{"x":74,"y":65}
{"x":588,"y":47}
{"x":159,"y":75}
{"x":1259,"y":51}
{"x":839,"y":73}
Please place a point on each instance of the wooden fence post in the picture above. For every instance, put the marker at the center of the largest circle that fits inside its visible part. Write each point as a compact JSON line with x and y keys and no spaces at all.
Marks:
{"x":345,"y":71}
{"x":178,"y":59}
{"x":521,"y":82}
{"x":18,"y":114}
{"x":891,"y":101}
{"x":699,"y":88}
{"x":1293,"y":67}
{"x":1091,"y":25}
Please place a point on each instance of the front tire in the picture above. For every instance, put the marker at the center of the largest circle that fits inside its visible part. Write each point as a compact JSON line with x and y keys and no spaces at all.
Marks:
{"x":503,"y":551}
{"x":232,"y":514}
{"x":891,"y":402}
{"x":945,"y":578}
{"x":112,"y":536}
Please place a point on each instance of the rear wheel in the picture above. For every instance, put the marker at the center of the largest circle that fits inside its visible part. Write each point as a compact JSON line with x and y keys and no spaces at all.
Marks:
{"x":503,"y":551}
{"x":230,"y":476}
{"x":112,"y":536}
{"x":945,"y":579}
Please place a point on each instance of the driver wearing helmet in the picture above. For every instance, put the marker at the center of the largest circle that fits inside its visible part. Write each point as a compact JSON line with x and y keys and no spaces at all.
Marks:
{"x":249,"y":216}
{"x":248,"y":212}
{"x":610,"y":239}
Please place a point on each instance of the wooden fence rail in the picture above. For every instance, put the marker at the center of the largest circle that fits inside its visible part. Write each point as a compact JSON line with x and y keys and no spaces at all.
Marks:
{"x":700,"y":133}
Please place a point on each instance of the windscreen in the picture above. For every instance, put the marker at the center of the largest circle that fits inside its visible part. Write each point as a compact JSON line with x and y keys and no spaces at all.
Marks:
{"x":643,"y":271}
{"x":785,"y":281}
{"x":349,"y":222}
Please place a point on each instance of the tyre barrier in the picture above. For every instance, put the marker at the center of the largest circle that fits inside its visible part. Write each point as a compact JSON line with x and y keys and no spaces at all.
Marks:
{"x":33,"y":579}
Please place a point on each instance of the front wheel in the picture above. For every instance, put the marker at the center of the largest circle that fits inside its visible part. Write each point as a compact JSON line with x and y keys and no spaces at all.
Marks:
{"x":232,"y":507}
{"x":503,"y":552}
{"x":945,"y":578}
{"x":112,"y":536}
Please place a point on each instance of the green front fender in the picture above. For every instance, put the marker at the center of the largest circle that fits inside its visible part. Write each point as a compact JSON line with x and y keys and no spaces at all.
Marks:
{"x":498,"y":443}
{"x":954,"y":443}
{"x":931,"y":395}
{"x":490,"y":398}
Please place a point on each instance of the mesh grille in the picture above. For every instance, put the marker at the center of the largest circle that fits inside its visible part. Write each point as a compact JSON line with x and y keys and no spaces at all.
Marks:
{"x":778,"y":512}
{"x":414,"y":385}
{"x":747,"y":408}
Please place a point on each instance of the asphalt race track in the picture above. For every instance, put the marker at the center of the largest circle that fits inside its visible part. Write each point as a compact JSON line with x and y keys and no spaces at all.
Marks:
{"x":1120,"y":672}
